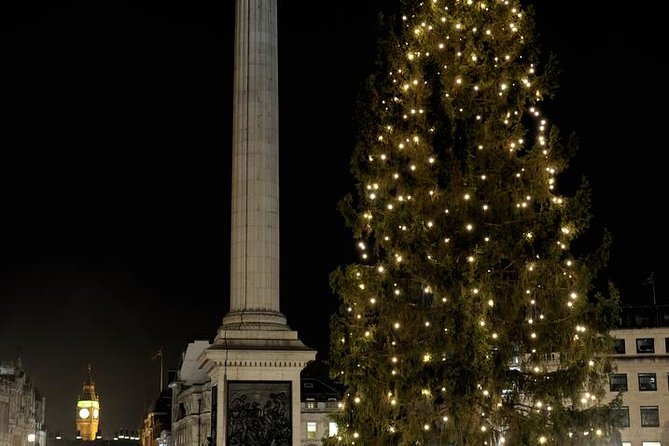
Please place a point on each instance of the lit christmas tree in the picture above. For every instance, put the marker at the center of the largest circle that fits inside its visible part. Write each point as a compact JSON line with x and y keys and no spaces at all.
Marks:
{"x":469,"y":320}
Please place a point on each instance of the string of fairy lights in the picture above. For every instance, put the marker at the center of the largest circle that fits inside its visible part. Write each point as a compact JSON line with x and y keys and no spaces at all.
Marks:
{"x":447,"y":37}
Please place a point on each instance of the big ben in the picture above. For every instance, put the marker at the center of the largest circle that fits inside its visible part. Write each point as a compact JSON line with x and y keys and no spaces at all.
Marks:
{"x":88,"y":410}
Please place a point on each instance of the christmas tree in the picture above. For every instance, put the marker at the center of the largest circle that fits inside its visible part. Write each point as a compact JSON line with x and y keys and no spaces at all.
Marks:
{"x":473,"y":316}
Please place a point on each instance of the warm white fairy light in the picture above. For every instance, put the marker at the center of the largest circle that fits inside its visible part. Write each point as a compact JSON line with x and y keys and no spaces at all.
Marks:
{"x":504,"y":84}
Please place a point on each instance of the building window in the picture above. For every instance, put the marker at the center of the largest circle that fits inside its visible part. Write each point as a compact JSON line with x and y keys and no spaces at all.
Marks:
{"x":666,"y":345}
{"x":622,"y":417}
{"x":311,"y":404}
{"x":647,"y":381}
{"x":332,"y":429}
{"x":618,"y":382}
{"x":311,"y":430}
{"x":650,"y":416}
{"x":645,"y":345}
{"x":649,"y":443}
{"x":619,"y":346}
{"x":331,"y":405}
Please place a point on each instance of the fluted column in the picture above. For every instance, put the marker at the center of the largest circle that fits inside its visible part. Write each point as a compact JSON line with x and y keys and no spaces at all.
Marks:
{"x":255,"y":354}
{"x":254,"y":262}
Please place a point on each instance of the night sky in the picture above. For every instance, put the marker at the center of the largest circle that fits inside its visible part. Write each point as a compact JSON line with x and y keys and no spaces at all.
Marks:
{"x":115,"y":173}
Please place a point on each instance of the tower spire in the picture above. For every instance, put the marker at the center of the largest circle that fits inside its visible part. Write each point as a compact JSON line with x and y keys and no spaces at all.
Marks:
{"x":88,"y":408}
{"x":159,"y":354}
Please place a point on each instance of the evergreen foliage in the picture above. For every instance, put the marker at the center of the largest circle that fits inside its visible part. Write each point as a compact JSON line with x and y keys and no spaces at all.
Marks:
{"x":471,"y":318}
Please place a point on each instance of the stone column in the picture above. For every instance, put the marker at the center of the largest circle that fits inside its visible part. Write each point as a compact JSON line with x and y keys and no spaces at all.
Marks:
{"x":255,"y":356}
{"x":254,"y":261}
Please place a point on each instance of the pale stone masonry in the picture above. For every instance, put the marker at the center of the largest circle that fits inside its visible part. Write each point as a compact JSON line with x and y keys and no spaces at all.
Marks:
{"x":641,"y":373}
{"x":192,"y":404}
{"x":254,"y":261}
{"x":22,"y":408}
{"x":255,"y":350}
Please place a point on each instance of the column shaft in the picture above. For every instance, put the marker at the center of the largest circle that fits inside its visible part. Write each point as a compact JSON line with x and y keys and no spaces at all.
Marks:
{"x":254,"y":262}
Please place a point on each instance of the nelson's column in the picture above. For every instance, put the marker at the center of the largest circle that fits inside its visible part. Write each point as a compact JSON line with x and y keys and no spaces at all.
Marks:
{"x":256,"y":359}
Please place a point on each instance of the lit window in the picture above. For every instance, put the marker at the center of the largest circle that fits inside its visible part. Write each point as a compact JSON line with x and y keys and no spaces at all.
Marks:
{"x":647,"y":381}
{"x":311,"y":429}
{"x":332,"y":429}
{"x":645,"y":345}
{"x":311,"y":404}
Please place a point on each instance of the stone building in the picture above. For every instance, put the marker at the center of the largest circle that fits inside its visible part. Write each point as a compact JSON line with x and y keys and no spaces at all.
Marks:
{"x":191,"y":400}
{"x":155,"y":430}
{"x":641,"y":373}
{"x":22,"y":408}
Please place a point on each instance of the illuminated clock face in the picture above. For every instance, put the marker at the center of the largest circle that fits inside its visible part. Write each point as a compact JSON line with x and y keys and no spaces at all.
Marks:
{"x":96,"y":413}
{"x":84,"y":413}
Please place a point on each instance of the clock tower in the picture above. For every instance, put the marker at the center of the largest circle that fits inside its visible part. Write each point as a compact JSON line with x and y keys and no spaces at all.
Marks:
{"x":88,"y":410}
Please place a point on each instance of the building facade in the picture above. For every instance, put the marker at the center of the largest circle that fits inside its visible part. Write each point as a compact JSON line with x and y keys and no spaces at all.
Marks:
{"x":641,"y":374}
{"x":155,"y":430}
{"x":22,"y":408}
{"x":191,"y":400}
{"x":319,"y":398}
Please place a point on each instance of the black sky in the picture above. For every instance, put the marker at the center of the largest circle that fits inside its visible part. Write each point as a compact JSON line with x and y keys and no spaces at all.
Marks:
{"x":115,"y":136}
